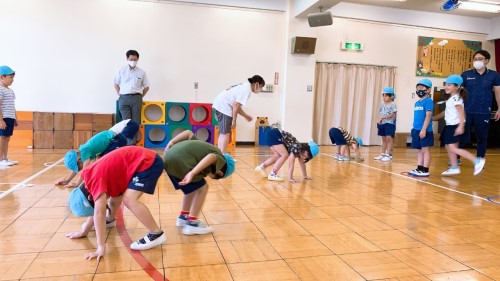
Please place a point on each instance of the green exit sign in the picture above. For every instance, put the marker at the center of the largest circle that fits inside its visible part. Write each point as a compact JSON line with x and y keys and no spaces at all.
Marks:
{"x":353,"y":46}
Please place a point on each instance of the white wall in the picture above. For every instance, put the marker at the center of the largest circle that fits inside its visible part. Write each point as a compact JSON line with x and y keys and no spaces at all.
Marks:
{"x":66,"y":53}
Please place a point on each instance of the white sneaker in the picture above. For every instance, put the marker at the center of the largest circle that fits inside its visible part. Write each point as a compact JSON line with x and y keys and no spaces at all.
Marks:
{"x":344,"y":158}
{"x":6,"y":163}
{"x":196,"y":227}
{"x":412,"y":172}
{"x":149,"y":241}
{"x":451,"y":172}
{"x":181,"y":222}
{"x":273,"y":177}
{"x":386,"y":158}
{"x":421,"y":174}
{"x":379,"y":156}
{"x":337,"y":157}
{"x":479,"y":166}
{"x":261,"y":170}
{"x":13,"y":162}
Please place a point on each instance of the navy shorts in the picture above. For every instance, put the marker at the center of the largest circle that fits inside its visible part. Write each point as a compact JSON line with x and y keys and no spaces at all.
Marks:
{"x":117,"y":142}
{"x":146,"y":180}
{"x":224,"y":121}
{"x":7,"y":132}
{"x":274,"y":137}
{"x":447,"y":136}
{"x":131,"y":129}
{"x":186,"y":189}
{"x":386,"y":129}
{"x":336,"y":137}
{"x":418,"y":143}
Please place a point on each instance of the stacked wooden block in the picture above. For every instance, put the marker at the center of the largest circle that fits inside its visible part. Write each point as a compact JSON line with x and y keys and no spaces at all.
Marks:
{"x":52,"y":130}
{"x":60,"y":130}
{"x":23,"y":133}
{"x":163,"y":121}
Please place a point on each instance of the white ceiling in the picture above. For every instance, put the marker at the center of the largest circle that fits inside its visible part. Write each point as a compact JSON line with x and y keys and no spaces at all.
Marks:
{"x":419,"y":5}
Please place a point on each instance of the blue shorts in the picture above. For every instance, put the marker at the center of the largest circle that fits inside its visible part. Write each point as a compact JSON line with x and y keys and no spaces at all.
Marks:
{"x":274,"y":137}
{"x":117,"y":142}
{"x":146,"y":180}
{"x":186,"y":189}
{"x":336,"y":137}
{"x":447,"y":136}
{"x":7,"y":132}
{"x":131,"y":129}
{"x":418,"y":143}
{"x":386,"y":129}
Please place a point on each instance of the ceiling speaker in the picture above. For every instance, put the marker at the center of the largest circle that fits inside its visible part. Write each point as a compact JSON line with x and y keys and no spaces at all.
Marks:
{"x":303,"y":45}
{"x":320,"y":19}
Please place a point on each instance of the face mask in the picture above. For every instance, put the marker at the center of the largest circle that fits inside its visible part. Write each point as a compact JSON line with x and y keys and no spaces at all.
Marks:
{"x":478,"y":64}
{"x":421,"y":93}
{"x":132,"y":63}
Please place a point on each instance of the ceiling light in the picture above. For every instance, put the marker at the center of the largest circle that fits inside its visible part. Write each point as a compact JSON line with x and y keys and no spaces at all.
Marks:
{"x":481,"y":7}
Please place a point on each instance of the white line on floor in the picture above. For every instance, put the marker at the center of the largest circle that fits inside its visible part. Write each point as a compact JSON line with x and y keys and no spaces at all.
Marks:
{"x":23,"y":183}
{"x":418,"y":180}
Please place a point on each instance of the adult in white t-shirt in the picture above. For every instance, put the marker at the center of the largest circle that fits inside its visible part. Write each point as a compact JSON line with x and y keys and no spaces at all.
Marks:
{"x":228,"y":104}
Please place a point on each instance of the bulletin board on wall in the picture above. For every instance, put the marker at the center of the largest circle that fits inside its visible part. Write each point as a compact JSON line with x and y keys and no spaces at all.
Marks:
{"x":440,"y":57}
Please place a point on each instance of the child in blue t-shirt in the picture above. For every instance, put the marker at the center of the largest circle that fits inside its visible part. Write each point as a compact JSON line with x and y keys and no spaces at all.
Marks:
{"x":386,"y":125}
{"x":422,"y":137}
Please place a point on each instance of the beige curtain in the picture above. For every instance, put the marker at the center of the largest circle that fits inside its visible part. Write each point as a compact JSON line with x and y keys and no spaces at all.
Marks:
{"x":349,"y":96}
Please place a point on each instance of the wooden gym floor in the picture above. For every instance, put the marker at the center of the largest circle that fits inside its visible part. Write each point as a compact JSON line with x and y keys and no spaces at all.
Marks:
{"x":353,"y":221}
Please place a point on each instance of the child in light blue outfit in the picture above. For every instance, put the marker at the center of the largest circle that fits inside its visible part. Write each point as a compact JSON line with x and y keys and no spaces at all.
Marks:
{"x":387,"y":124}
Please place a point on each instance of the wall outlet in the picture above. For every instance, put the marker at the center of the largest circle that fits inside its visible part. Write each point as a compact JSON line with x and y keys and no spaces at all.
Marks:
{"x":196,"y":85}
{"x":309,"y":88}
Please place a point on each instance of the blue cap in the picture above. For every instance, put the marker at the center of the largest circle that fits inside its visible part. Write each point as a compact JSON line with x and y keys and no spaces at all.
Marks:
{"x":388,"y":90}
{"x":230,"y":165}
{"x":360,"y":142}
{"x":79,"y":203}
{"x":314,"y":148}
{"x":71,"y":160}
{"x":454,"y":79}
{"x":426,"y":82}
{"x":5,"y":70}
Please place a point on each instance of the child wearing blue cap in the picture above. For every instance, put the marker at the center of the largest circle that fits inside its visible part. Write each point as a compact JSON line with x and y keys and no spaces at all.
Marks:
{"x":97,"y":146}
{"x":285,"y":146}
{"x":187,"y":162}
{"x":344,"y":141}
{"x":387,"y":123}
{"x":454,"y":116}
{"x":422,"y":137}
{"x":122,"y":175}
{"x":7,"y":113}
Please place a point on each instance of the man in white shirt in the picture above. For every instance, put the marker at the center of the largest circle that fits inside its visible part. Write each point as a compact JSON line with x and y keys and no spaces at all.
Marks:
{"x":131,"y":85}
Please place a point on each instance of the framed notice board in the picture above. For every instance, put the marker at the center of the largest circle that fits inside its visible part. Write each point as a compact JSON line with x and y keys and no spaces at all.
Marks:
{"x":439,"y":57}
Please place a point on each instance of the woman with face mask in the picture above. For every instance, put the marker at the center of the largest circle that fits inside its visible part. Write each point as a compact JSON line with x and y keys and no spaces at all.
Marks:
{"x":131,"y":85}
{"x":479,"y":83}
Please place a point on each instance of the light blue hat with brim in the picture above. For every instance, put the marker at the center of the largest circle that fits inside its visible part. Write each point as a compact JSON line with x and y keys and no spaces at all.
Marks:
{"x":79,"y":203}
{"x":71,"y":160}
{"x":230,"y":165}
{"x":5,"y":70}
{"x":359,"y":141}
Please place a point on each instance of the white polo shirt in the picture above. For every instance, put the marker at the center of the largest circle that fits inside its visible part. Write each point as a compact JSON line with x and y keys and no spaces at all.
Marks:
{"x":451,"y":115}
{"x":131,"y":80}
{"x":237,"y":93}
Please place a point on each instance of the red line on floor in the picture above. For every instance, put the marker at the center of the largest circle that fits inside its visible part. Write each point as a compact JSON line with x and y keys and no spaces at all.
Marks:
{"x":137,"y":255}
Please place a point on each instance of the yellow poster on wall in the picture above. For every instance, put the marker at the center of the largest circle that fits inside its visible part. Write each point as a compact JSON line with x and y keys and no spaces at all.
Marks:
{"x":439,"y":57}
